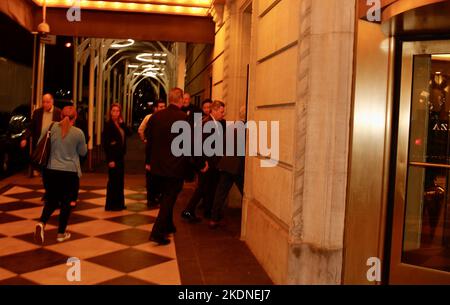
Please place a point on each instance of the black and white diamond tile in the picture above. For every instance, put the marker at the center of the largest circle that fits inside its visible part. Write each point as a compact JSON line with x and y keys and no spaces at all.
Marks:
{"x":113,"y":247}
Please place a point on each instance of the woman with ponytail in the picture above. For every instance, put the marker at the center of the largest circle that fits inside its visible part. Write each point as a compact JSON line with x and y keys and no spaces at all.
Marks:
{"x":63,"y":172}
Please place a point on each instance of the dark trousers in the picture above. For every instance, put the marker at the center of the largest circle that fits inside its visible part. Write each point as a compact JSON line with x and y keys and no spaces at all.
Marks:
{"x":212,"y":180}
{"x":153,"y":188}
{"x":198,"y":194}
{"x":170,"y":188}
{"x":44,"y":183}
{"x":61,"y":188}
{"x":115,"y":198}
{"x":226,"y":181}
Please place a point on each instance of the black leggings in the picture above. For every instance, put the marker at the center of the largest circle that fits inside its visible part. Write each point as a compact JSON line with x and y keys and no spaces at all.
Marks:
{"x":61,"y":189}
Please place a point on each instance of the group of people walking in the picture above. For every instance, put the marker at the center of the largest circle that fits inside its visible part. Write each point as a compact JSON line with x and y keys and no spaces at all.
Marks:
{"x":210,"y":189}
{"x":165,"y":172}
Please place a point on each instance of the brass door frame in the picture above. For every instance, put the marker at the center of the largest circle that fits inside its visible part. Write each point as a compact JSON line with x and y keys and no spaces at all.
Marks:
{"x":401,"y":273}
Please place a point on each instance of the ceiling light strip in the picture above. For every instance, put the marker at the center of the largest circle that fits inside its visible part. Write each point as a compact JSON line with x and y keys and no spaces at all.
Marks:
{"x":131,"y":7}
{"x":188,"y":3}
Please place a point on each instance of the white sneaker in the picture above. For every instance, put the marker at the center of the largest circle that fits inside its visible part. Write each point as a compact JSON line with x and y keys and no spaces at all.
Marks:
{"x":39,"y":233}
{"x":63,"y":237}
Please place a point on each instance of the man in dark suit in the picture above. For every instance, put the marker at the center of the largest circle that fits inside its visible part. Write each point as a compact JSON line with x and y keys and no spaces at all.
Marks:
{"x":41,"y":120}
{"x":231,"y":170}
{"x":151,"y":182}
{"x":169,"y":169}
{"x":208,"y":181}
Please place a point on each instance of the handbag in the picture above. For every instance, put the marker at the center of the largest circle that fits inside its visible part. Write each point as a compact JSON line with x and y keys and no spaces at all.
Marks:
{"x":41,"y":154}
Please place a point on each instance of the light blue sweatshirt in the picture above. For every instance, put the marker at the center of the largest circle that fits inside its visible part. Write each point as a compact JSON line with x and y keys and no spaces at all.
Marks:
{"x":65,"y":153}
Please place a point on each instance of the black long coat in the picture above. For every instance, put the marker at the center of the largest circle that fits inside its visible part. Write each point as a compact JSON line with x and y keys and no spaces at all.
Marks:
{"x":159,"y":142}
{"x":115,"y":146}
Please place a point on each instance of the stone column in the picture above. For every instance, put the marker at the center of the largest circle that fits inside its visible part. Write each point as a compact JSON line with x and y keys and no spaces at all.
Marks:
{"x":40,"y":74}
{"x":322,"y":140}
{"x":100,"y":99}
{"x":232,"y":61}
{"x":91,"y":101}
{"x":75,"y":72}
{"x":181,"y":63}
{"x":108,"y":89}
{"x":114,"y":86}
{"x":80,"y":81}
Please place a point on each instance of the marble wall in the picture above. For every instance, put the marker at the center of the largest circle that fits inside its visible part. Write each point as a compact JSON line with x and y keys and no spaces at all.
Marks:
{"x":198,"y":70}
{"x":300,"y":57}
{"x":302,"y":61}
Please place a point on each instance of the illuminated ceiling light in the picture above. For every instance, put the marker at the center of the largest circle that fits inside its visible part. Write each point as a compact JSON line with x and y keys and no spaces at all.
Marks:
{"x":133,"y":66}
{"x":180,"y":7}
{"x":132,"y":6}
{"x":150,"y":69}
{"x":196,"y":10}
{"x":101,"y":4}
{"x":163,"y":61}
{"x":117,"y":4}
{"x":145,"y":57}
{"x":68,"y":45}
{"x":122,"y":44}
{"x":148,"y":74}
{"x":445,"y":57}
{"x":164,"y":54}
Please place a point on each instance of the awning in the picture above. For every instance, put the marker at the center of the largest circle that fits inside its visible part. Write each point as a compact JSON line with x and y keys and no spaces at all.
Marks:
{"x":121,"y":19}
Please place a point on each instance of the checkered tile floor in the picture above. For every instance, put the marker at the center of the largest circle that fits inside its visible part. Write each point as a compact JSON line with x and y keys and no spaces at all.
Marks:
{"x":113,"y":247}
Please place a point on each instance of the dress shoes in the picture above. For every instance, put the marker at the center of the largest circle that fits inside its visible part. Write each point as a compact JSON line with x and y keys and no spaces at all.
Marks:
{"x":190,"y":217}
{"x":162,"y":241}
{"x":152,"y":204}
{"x":213,"y":224}
{"x":115,"y":209}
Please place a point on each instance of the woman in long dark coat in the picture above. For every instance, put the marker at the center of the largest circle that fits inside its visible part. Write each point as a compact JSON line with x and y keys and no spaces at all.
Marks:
{"x":114,"y":139}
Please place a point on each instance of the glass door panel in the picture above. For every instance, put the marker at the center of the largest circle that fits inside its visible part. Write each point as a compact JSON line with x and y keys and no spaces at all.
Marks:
{"x":425,"y":242}
{"x":421,"y":237}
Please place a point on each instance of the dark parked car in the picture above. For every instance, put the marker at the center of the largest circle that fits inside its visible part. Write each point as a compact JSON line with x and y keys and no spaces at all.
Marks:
{"x":12,"y":127}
